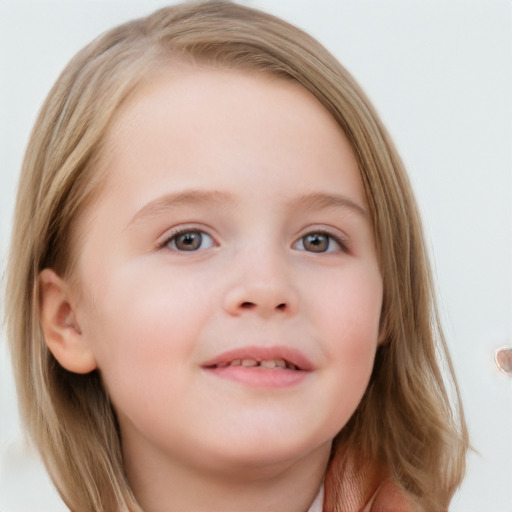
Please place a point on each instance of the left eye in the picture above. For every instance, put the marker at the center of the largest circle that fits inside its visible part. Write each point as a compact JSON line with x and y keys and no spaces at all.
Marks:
{"x":318,"y":242}
{"x":188,"y":241}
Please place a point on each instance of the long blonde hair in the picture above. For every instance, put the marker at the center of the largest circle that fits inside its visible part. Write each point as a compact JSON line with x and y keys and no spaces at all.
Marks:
{"x":410,"y":420}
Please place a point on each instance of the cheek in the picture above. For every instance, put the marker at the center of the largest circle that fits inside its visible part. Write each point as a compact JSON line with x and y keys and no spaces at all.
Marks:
{"x":350,"y":306}
{"x":143,"y":320}
{"x":350,"y":318}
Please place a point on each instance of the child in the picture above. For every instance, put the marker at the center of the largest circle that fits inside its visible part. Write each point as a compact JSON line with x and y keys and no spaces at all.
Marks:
{"x":218,"y":293}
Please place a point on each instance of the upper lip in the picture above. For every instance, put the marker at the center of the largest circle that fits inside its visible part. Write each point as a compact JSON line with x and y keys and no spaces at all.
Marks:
{"x":292,"y":356}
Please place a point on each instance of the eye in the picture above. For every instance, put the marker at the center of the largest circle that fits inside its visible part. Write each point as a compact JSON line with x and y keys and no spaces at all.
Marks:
{"x":189,"y":240}
{"x":319,"y":242}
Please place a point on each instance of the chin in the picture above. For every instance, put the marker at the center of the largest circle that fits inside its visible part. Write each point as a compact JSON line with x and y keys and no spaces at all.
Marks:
{"x":265,"y":455}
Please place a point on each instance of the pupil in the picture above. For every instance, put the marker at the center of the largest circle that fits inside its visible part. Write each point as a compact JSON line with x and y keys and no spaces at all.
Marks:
{"x":188,"y":241}
{"x":316,"y":242}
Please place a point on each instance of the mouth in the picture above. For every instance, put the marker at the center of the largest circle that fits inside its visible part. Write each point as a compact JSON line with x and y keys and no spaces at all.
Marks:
{"x":281,"y":364}
{"x":259,"y":357}
{"x":273,"y":367}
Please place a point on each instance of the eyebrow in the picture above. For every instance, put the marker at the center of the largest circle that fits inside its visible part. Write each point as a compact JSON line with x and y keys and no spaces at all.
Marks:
{"x":216,"y":198}
{"x":319,"y":201}
{"x":187,"y":197}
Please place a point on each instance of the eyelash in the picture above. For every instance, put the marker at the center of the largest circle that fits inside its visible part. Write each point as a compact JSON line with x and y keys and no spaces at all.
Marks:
{"x":172,"y":237}
{"x":340,"y":241}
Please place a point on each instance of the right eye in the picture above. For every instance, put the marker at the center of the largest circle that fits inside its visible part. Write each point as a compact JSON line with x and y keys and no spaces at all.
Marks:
{"x":188,"y":241}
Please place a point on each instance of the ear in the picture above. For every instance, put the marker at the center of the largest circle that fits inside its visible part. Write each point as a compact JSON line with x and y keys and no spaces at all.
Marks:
{"x":62,"y":334}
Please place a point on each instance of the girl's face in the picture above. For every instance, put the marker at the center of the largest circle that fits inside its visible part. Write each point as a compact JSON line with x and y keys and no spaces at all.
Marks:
{"x":231,"y":291}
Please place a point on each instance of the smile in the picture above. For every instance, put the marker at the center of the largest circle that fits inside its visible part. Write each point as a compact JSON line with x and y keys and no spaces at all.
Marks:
{"x":257,"y":363}
{"x":261,"y":367}
{"x":277,"y":357}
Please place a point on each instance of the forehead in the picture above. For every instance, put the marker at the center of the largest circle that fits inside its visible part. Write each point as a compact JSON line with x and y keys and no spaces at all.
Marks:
{"x":212,"y":119}
{"x":186,"y":92}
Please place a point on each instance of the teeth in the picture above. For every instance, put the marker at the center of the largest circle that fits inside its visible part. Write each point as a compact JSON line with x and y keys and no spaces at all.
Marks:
{"x":253,"y":363}
{"x":249,"y":362}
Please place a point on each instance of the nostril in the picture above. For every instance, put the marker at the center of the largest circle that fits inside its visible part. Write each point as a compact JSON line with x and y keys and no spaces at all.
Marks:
{"x":247,"y":305}
{"x":251,"y":305}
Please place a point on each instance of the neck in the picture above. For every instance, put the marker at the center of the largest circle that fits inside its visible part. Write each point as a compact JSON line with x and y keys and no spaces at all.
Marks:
{"x":160,"y":484}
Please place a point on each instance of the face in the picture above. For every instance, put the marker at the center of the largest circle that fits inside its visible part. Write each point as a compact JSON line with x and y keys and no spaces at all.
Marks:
{"x":230,"y":289}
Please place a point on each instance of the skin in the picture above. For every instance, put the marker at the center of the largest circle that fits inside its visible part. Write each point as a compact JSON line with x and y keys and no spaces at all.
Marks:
{"x":253,"y":165}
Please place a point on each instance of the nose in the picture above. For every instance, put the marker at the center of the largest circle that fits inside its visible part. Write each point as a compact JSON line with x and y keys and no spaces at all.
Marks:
{"x":265,"y":288}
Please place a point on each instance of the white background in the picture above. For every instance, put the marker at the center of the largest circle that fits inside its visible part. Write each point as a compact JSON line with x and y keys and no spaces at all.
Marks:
{"x":440,"y":74}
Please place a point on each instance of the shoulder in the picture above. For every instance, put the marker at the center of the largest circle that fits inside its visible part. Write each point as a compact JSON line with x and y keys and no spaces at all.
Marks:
{"x":354,"y":485}
{"x":390,"y":498}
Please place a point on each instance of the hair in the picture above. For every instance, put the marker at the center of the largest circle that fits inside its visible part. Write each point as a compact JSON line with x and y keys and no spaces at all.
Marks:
{"x":410,"y":420}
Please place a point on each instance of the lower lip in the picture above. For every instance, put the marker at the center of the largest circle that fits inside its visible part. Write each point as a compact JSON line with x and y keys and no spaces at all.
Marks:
{"x":260,"y":377}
